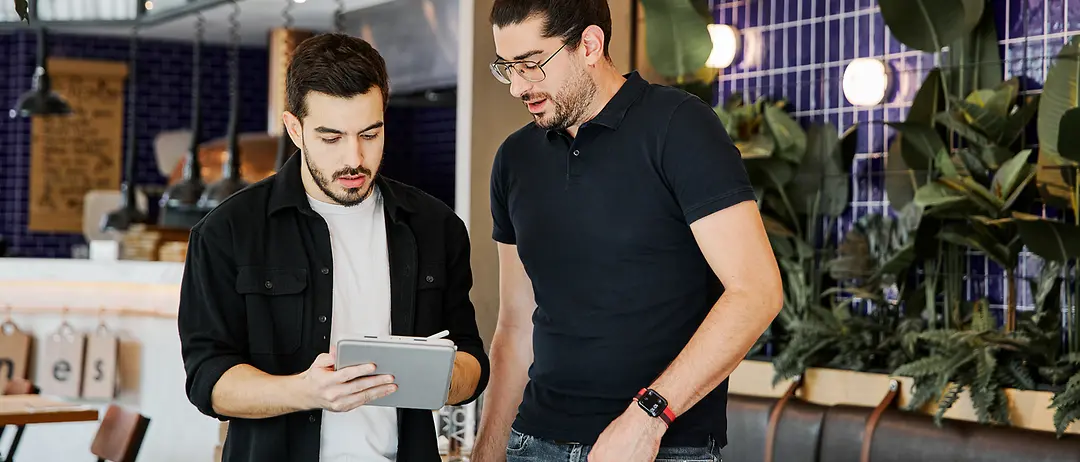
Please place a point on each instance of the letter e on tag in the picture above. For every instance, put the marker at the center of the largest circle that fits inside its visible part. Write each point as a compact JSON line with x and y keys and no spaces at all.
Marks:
{"x":60,"y":371}
{"x":99,"y":375}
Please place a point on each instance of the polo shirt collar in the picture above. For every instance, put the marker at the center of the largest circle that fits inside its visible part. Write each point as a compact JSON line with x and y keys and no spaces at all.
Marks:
{"x":615,"y":110}
{"x":288,"y":191}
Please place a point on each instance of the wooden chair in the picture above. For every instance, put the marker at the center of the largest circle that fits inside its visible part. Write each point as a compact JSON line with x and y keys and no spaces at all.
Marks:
{"x":17,"y":386}
{"x":120,"y":435}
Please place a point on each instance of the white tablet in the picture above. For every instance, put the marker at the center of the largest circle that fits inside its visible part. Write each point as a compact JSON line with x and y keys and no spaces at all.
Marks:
{"x":421,"y":367}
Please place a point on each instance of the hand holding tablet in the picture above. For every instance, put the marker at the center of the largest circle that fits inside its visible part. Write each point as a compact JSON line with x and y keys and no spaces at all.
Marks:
{"x":343,"y":389}
{"x":420,"y":369}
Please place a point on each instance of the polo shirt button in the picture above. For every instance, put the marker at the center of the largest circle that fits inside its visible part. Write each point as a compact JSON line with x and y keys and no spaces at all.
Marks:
{"x":269,"y":285}
{"x":576,"y":152}
{"x":322,"y":318}
{"x":311,"y":418}
{"x":325,"y":270}
{"x":430,"y":279}
{"x":324,"y":337}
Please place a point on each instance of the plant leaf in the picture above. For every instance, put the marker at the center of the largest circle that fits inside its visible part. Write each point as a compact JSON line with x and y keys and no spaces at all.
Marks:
{"x":1019,"y":121}
{"x":1009,"y":176}
{"x":1048,"y":239}
{"x":966,"y":131}
{"x":676,"y":37}
{"x":1069,"y":135}
{"x":1060,"y":93}
{"x":929,"y":25}
{"x":983,"y":118}
{"x":920,"y":144}
{"x":821,"y":172}
{"x":789,"y":136}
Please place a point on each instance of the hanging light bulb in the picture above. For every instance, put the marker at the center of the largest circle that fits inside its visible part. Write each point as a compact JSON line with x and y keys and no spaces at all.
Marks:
{"x":40,"y":99}
{"x":231,"y":181}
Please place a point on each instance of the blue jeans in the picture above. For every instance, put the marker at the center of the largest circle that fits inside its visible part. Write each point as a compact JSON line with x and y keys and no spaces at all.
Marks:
{"x":526,"y":448}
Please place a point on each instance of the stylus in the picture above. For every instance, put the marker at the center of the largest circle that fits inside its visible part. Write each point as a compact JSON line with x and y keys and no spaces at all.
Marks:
{"x":439,"y":335}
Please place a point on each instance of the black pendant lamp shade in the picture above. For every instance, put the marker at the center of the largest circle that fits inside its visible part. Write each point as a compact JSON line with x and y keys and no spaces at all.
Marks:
{"x":230,"y":181}
{"x":40,"y":99}
{"x":179,"y":204}
{"x":128,"y":214}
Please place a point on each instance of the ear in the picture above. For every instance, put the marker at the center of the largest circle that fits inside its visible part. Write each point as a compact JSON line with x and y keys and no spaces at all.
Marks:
{"x":592,"y":42}
{"x":294,"y":128}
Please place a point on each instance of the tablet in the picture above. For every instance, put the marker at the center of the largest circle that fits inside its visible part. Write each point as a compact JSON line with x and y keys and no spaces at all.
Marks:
{"x":421,"y":367}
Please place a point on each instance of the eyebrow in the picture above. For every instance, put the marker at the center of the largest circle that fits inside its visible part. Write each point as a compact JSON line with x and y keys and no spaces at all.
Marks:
{"x":521,"y":56}
{"x":334,"y":131}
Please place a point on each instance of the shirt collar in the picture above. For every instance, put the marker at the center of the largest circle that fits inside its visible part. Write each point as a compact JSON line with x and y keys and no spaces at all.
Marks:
{"x":613,"y":113}
{"x":288,"y":191}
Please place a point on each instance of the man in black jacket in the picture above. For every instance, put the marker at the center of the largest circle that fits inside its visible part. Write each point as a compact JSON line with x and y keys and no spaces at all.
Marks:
{"x":325,"y":249}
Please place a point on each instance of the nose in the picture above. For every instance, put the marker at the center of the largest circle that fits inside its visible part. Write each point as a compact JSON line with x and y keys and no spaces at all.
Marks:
{"x":354,"y":155}
{"x":518,"y":85}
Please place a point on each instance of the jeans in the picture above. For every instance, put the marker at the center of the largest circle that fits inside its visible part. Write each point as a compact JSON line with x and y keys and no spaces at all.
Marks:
{"x":526,"y":448}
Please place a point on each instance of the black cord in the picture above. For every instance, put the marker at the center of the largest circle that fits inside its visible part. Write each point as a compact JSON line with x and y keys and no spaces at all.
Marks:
{"x":286,"y":13}
{"x":233,"y":166}
{"x":339,"y":16}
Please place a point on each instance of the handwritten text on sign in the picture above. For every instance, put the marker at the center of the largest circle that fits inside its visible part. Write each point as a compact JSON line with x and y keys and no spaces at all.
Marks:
{"x":74,"y":154}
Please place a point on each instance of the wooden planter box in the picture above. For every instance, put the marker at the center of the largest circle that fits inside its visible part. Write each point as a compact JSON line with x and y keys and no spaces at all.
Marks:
{"x":1028,"y":409}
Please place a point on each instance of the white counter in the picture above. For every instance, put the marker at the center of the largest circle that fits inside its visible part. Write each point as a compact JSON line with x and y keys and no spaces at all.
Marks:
{"x":151,"y":369}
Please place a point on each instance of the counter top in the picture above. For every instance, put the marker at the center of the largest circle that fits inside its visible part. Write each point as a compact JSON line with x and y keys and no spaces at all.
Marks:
{"x":47,"y":284}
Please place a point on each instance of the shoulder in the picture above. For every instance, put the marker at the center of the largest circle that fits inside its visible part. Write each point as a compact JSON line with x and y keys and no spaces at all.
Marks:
{"x":523,"y":138}
{"x":675,"y":102}
{"x":418,"y":201}
{"x":238,"y":212}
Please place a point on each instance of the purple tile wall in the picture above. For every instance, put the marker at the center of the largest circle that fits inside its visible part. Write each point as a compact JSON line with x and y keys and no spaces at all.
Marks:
{"x":419,"y":150}
{"x":802,"y":49}
{"x":164,"y":103}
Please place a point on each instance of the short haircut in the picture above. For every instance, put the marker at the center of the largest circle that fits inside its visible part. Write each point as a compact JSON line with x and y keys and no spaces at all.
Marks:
{"x":566,"y":19}
{"x":337,"y":65}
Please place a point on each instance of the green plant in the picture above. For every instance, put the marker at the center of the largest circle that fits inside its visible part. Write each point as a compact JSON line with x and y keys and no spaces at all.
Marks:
{"x":1066,"y":403}
{"x":677,"y":39}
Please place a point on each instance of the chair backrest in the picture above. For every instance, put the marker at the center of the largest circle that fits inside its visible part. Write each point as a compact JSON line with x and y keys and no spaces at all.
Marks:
{"x":120,"y":435}
{"x":19,"y":386}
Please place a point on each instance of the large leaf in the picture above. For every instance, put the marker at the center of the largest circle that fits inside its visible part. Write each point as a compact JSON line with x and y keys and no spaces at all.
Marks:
{"x":789,"y":136}
{"x":1069,"y":135}
{"x":1060,"y":93}
{"x":821,"y":176}
{"x":1011,"y":174}
{"x":920,"y":144}
{"x":676,"y":37}
{"x":974,"y":61}
{"x":961,"y":128}
{"x":936,"y":195}
{"x":900,"y":181}
{"x":984,"y":118}
{"x":1019,"y":121}
{"x":758,"y":147}
{"x":1048,"y":239}
{"x":930,"y":25}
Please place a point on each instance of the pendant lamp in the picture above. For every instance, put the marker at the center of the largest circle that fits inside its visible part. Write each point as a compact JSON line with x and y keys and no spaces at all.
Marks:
{"x":179,"y":203}
{"x":40,"y":99}
{"x":230,"y":182}
{"x":128,"y":213}
{"x":285,"y":144}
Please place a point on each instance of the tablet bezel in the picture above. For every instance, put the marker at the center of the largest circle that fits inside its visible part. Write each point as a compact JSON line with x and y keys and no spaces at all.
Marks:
{"x":424,"y":386}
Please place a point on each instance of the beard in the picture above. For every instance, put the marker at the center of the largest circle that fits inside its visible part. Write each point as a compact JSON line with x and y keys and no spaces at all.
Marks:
{"x":347,"y":197}
{"x":570,"y":105}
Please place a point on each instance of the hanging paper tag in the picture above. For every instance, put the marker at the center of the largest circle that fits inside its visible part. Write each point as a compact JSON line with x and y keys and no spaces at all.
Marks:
{"x":99,"y":377}
{"x":61,"y":368}
{"x":14,"y":352}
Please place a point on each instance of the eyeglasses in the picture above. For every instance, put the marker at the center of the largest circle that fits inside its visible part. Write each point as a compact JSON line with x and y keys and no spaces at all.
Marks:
{"x":528,"y":70}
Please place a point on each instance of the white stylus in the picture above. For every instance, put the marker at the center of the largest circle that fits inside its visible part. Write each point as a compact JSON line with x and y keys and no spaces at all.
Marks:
{"x":439,"y":335}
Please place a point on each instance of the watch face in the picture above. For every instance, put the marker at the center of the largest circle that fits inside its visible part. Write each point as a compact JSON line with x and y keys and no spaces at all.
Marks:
{"x":652,"y":403}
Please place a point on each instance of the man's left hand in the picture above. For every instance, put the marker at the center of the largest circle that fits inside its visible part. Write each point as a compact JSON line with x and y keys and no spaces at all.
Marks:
{"x":633,"y":437}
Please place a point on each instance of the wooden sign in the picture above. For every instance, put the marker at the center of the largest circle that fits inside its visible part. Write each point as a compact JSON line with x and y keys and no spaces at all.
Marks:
{"x":14,"y":352}
{"x":60,"y":369}
{"x":99,"y":376}
{"x":74,"y":154}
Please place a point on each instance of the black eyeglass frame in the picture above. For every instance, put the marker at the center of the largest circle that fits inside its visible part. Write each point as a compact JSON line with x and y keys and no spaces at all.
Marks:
{"x":495,"y":67}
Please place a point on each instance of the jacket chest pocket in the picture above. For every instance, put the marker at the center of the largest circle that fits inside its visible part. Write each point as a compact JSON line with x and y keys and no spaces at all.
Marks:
{"x":275,"y":307}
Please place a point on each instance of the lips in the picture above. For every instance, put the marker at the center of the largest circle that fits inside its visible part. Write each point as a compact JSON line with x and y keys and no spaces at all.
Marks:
{"x":352,"y":182}
{"x":536,"y":106}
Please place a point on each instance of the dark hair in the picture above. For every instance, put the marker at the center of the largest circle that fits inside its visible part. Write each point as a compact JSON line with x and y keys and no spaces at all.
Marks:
{"x":566,"y":19}
{"x":337,"y":65}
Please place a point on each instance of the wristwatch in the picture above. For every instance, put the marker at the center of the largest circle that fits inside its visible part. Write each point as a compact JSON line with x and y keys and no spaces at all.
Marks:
{"x":655,"y":405}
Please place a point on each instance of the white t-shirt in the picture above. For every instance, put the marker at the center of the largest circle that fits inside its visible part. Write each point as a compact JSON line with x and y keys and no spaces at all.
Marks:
{"x":361,"y":307}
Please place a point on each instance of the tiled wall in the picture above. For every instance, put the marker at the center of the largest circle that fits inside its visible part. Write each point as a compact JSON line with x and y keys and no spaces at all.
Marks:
{"x":419,"y":147}
{"x":164,"y":103}
{"x":798,"y":50}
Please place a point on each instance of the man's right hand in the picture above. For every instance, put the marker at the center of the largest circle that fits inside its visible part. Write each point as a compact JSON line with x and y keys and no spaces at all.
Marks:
{"x":345,"y":389}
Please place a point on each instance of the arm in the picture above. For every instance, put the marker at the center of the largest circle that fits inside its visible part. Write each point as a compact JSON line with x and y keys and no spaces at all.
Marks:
{"x":511,"y":354}
{"x":471,"y":369}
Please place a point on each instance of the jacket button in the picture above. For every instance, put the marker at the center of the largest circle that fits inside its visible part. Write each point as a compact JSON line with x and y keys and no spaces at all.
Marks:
{"x":269,"y":285}
{"x":325,"y":270}
{"x":577,"y":153}
{"x":430,"y":279}
{"x":311,"y":418}
{"x":322,"y":318}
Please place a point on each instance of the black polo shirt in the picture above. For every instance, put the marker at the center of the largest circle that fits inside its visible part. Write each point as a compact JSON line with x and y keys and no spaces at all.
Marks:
{"x":258,"y":289}
{"x":601,"y":223}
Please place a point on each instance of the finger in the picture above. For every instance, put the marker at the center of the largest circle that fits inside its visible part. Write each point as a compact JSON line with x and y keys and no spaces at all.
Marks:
{"x":368,"y":395}
{"x":347,"y":374}
{"x":323,"y":361}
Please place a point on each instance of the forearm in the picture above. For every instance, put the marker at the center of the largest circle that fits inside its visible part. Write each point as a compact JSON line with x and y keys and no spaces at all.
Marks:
{"x":716,"y":349}
{"x":248,"y":393}
{"x":465,"y":378}
{"x":511,"y":354}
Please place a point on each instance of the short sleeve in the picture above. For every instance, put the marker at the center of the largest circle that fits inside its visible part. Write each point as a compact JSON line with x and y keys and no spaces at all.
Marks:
{"x":701,"y":164}
{"x":502,"y":229}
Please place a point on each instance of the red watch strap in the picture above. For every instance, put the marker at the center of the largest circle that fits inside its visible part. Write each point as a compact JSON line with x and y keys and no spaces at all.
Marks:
{"x":668,"y":416}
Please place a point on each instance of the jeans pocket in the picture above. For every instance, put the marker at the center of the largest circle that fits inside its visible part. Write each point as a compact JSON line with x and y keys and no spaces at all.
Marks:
{"x":518,"y":442}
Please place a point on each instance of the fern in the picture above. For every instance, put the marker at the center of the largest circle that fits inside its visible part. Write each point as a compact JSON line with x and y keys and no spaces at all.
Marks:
{"x":1066,"y":402}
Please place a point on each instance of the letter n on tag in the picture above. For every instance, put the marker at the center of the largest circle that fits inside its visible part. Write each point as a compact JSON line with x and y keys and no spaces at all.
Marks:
{"x":60,"y":370}
{"x":14,"y":352}
{"x":99,"y":376}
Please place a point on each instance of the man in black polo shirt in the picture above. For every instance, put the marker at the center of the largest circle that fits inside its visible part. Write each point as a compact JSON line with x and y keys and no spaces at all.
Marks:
{"x":618,"y":212}
{"x":325,"y":249}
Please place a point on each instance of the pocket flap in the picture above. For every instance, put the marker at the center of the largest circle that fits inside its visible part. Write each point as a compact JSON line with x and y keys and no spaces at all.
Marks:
{"x":270,"y":281}
{"x":432,"y":276}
